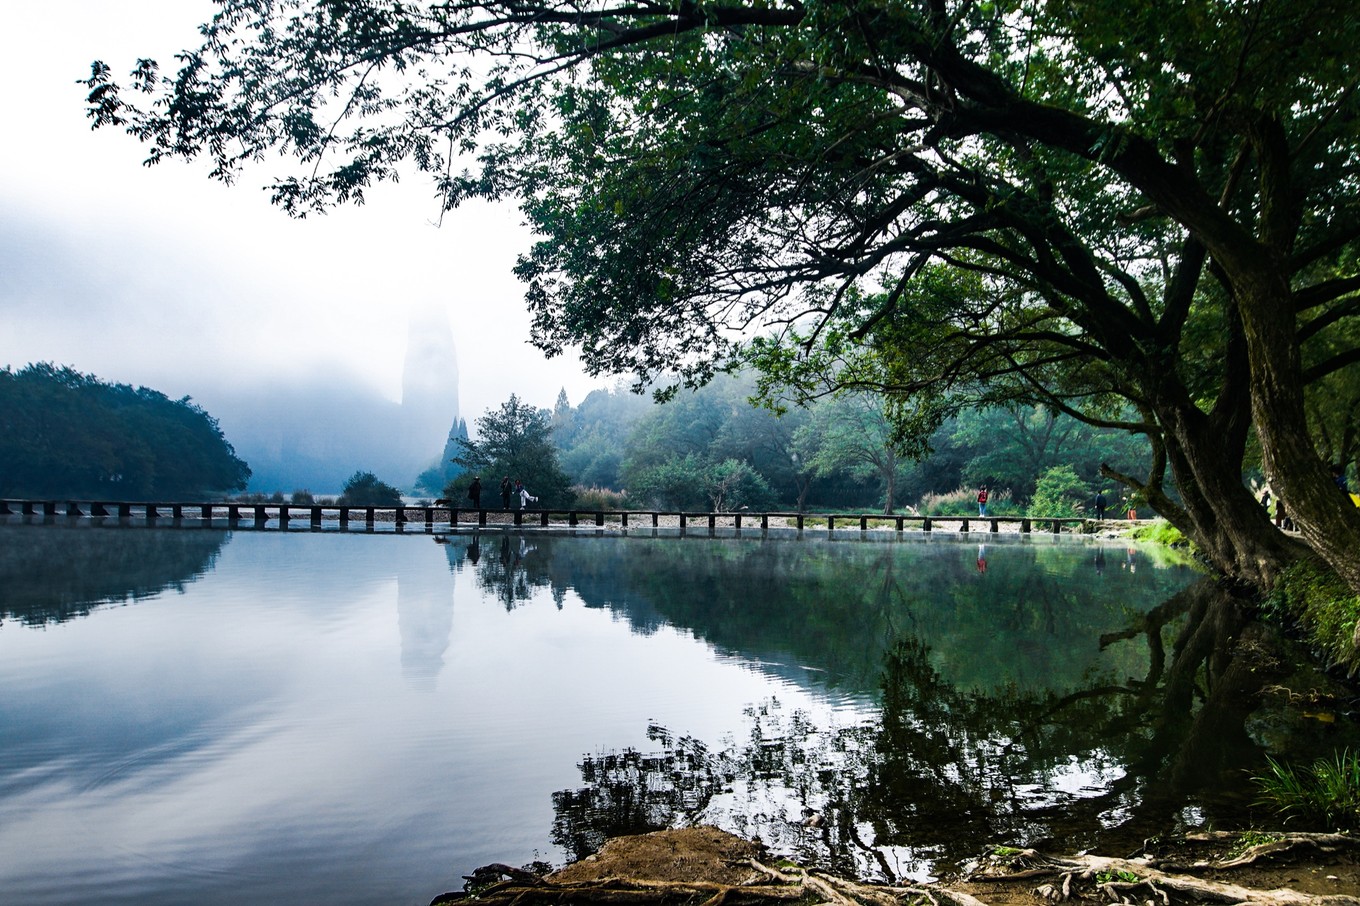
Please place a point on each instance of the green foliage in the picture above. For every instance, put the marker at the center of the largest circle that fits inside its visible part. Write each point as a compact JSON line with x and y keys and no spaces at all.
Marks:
{"x":364,"y":489}
{"x":693,"y":484}
{"x":1123,"y":211}
{"x":963,"y":502}
{"x":1162,"y":533}
{"x":515,"y":441}
{"x":590,"y":438}
{"x":1312,"y":596}
{"x":734,"y":485}
{"x":1325,"y":795}
{"x":852,"y":433}
{"x":675,"y":484}
{"x":302,"y":497}
{"x":1059,"y":493}
{"x":66,"y":434}
{"x":1248,"y":839}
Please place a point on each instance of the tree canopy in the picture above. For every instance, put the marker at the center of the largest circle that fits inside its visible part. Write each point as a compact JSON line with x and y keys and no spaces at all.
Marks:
{"x":64,"y":434}
{"x":366,"y":489}
{"x":515,"y":442}
{"x":1113,"y":208}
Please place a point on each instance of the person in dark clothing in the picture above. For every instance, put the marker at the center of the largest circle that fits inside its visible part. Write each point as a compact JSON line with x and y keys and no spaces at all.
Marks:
{"x":1339,"y":477}
{"x":475,"y":492}
{"x":1101,"y":503}
{"x":506,"y":489}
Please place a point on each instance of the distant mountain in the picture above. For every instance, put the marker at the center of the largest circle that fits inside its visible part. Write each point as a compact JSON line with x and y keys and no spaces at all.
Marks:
{"x":315,"y":435}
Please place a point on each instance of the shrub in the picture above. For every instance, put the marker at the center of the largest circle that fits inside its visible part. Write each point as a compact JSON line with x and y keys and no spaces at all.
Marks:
{"x":364,"y":489}
{"x":734,"y":485}
{"x":303,"y":498}
{"x":600,"y":498}
{"x":963,"y":502}
{"x":1059,"y":493}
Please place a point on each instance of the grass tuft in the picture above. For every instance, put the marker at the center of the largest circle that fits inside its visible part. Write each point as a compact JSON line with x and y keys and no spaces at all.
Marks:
{"x":1326,"y":794}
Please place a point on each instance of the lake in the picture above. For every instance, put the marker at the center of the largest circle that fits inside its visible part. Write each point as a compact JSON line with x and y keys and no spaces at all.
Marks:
{"x":214,"y":715}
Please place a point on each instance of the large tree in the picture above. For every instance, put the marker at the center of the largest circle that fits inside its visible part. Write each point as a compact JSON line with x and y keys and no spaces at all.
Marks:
{"x":515,"y":442}
{"x":1085,"y":202}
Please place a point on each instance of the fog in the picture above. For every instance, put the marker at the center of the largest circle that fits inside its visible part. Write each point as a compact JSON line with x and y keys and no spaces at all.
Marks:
{"x":160,"y":277}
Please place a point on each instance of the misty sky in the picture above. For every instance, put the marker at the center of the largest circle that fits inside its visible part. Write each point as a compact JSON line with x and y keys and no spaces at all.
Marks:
{"x":164,"y":278}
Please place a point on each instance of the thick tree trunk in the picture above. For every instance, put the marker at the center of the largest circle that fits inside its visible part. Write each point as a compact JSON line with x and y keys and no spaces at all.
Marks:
{"x":1217,"y":510}
{"x":1327,"y":519}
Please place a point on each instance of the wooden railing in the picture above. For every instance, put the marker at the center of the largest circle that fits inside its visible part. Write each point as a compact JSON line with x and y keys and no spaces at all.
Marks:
{"x":284,"y":514}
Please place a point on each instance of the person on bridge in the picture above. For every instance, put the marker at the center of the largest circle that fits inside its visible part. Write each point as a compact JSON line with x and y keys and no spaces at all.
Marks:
{"x":982,"y":500}
{"x":1101,"y":503}
{"x":475,"y":492}
{"x":506,"y":488}
{"x":525,"y":498}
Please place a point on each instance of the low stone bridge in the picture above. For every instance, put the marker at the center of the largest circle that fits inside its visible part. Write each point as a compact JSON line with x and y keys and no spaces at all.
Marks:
{"x":317,"y":516}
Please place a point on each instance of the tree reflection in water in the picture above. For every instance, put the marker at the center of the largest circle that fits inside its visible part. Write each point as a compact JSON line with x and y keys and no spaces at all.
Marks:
{"x":61,"y":570}
{"x":944,"y":771}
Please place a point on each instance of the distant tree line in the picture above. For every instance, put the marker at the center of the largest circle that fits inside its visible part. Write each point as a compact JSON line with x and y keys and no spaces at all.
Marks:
{"x":64,"y":434}
{"x":714,"y":449}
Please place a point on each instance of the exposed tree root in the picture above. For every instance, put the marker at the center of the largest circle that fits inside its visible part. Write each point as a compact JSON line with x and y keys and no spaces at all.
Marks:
{"x":1099,"y":879}
{"x":770,"y":885}
{"x":1327,"y":843}
{"x":1131,"y":881}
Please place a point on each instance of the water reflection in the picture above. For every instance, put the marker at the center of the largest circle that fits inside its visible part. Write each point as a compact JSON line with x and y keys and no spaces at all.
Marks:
{"x":838,"y":607}
{"x":943,"y":769}
{"x":363,"y":718}
{"x":67,"y":568}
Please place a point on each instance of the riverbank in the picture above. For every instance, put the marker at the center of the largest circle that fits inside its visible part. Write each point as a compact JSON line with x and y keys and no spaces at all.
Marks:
{"x":710,"y":866}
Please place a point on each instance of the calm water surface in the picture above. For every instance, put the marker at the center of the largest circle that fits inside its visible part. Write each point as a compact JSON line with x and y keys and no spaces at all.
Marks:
{"x":213,"y":716}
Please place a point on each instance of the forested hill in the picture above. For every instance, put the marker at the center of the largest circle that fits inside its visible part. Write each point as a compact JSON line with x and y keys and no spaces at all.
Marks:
{"x":67,"y":434}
